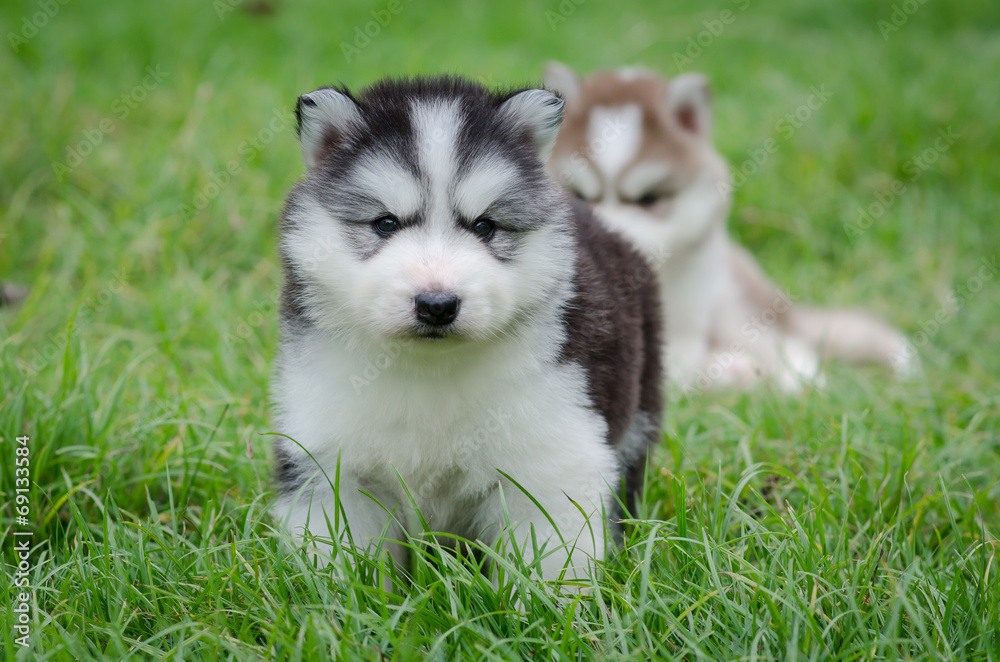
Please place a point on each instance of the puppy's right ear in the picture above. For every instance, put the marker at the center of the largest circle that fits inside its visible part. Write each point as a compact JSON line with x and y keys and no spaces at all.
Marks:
{"x":563,"y":79}
{"x":324,"y":117}
{"x":689,"y":102}
{"x":539,"y":112}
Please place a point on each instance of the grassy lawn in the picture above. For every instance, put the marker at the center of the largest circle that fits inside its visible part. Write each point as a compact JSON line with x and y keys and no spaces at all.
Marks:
{"x":146,"y":150}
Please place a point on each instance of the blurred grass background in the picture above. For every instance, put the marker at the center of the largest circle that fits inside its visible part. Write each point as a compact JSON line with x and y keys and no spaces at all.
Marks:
{"x":139,"y":363}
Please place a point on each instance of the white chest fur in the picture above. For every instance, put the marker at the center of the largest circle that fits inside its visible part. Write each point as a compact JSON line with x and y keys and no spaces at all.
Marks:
{"x":448,"y":422}
{"x":691,"y":288}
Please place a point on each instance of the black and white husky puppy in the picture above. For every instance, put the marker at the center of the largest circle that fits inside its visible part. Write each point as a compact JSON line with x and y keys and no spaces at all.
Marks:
{"x":454,"y":324}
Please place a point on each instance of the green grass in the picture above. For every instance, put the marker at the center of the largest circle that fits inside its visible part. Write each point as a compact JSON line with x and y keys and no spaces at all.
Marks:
{"x":855,"y":523}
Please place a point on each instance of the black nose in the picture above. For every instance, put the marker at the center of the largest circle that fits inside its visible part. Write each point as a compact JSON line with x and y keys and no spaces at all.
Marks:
{"x":437,"y":308}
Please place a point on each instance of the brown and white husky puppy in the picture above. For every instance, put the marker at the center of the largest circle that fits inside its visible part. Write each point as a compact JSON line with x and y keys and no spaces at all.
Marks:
{"x":638,"y":148}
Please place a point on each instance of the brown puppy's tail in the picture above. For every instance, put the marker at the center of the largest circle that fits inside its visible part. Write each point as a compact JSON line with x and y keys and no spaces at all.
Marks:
{"x":856,"y":337}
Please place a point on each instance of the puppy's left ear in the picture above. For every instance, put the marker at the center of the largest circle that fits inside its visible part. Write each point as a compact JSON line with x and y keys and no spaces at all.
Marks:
{"x":689,"y":102}
{"x":325,"y":117}
{"x":540,"y":113}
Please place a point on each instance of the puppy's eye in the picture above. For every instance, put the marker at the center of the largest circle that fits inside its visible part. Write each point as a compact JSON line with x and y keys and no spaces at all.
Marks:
{"x":483,"y":228}
{"x":386,"y":225}
{"x":579,"y":195}
{"x":648,"y":200}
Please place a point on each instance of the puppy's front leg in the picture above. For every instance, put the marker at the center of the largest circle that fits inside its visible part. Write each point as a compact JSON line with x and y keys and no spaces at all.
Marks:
{"x":570,"y":534}
{"x":357,"y":516}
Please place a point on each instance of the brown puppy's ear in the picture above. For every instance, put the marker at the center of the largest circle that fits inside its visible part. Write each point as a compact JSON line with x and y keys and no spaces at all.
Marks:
{"x":689,"y":103}
{"x":563,"y":79}
{"x":540,"y":113}
{"x":324,"y":116}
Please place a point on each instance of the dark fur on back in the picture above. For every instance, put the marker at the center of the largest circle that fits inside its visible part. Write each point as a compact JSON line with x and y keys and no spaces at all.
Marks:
{"x":613,"y":326}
